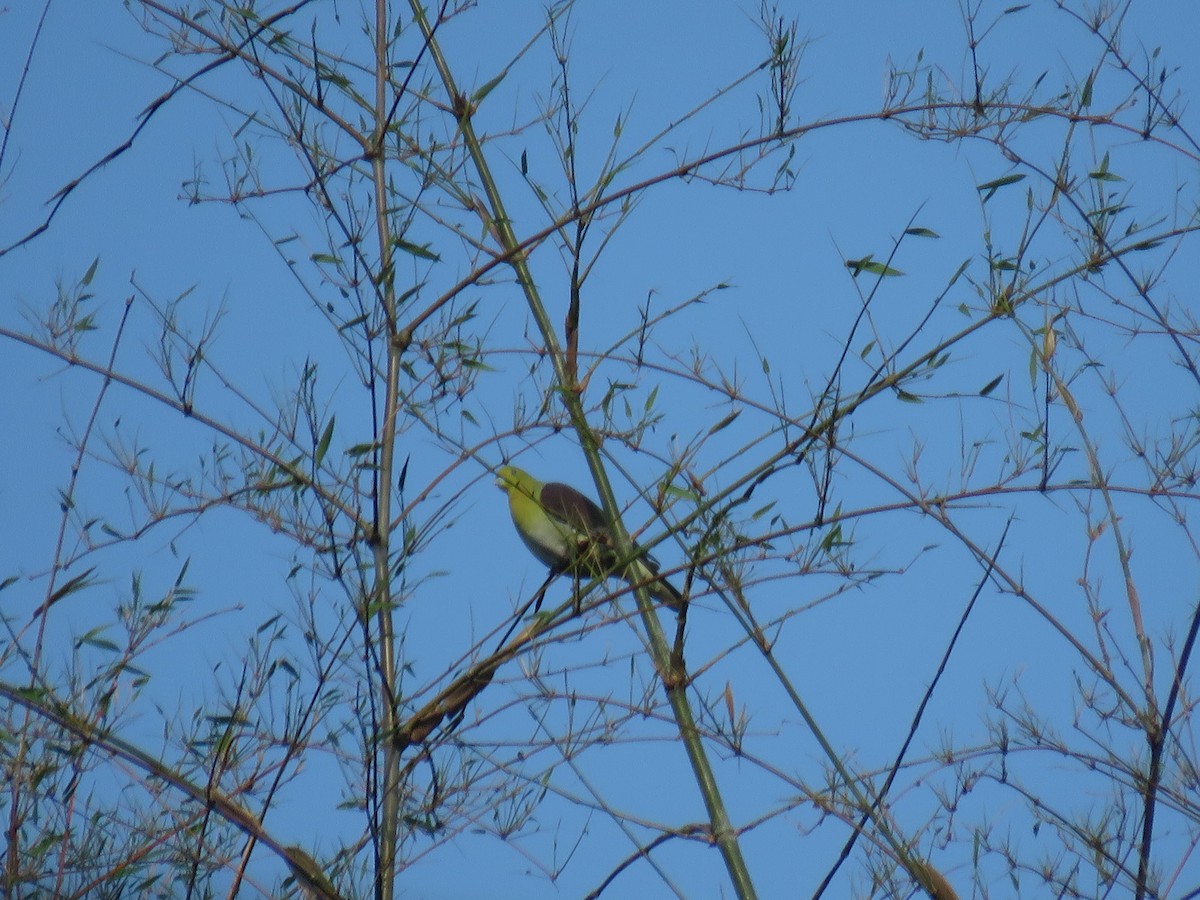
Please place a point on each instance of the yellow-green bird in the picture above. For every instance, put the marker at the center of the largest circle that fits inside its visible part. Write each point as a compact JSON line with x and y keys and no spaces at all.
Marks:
{"x":569,"y":533}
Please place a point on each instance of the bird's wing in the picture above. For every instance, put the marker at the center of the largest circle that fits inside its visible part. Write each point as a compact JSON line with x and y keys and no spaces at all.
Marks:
{"x":573,"y":509}
{"x":577,"y":512}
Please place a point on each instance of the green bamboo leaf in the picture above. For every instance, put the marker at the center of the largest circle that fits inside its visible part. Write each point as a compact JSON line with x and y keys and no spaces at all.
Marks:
{"x":93,"y":639}
{"x":323,"y":444}
{"x":421,"y":251}
{"x":725,"y":422}
{"x":140,"y":674}
{"x":1012,"y":178}
{"x":334,"y":77}
{"x":1111,"y":210}
{"x":832,"y":539}
{"x":991,"y":385}
{"x":78,"y":583}
{"x":353,"y":323}
{"x":871,"y":266}
{"x":922,"y":232}
{"x":1085,"y":96}
{"x":763,"y":510}
{"x":672,"y":490}
{"x":90,"y":273}
{"x":288,"y":668}
{"x":995,"y":184}
{"x":464,"y":317}
{"x":1103,"y":174}
{"x":487,"y":88}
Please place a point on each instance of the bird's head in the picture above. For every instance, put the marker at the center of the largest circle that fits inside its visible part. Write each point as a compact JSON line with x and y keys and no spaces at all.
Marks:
{"x":510,"y":478}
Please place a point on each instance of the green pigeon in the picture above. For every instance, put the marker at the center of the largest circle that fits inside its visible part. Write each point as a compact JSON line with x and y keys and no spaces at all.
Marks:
{"x":569,"y":533}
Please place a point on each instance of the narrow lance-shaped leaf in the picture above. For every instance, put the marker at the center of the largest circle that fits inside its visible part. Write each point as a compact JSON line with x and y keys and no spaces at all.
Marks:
{"x":995,"y":184}
{"x":871,"y":266}
{"x":991,"y":385}
{"x":323,"y":444}
{"x":1085,"y":95}
{"x":725,"y":422}
{"x":421,"y":251}
{"x":1102,"y":173}
{"x":488,"y":87}
{"x":93,"y":639}
{"x":78,"y":583}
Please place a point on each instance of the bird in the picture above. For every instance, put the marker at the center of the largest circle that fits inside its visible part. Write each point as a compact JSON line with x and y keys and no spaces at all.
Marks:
{"x":570,"y":534}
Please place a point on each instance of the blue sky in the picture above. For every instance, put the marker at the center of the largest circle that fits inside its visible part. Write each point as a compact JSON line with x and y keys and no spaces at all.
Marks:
{"x":862,"y":659}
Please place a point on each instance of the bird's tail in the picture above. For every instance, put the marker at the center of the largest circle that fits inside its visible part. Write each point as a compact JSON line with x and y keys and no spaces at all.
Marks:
{"x":643,"y":572}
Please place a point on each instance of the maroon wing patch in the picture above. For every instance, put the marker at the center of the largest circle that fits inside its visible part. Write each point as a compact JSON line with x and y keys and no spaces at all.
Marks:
{"x":573,"y":508}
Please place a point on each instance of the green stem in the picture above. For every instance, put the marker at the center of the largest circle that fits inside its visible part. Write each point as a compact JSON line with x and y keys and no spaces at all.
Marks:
{"x":381,"y":596}
{"x":671,"y":673}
